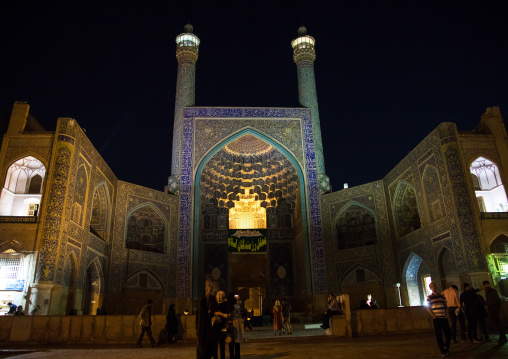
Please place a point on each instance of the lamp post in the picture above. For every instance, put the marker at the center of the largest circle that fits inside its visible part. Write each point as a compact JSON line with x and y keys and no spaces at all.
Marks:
{"x":400,"y":299}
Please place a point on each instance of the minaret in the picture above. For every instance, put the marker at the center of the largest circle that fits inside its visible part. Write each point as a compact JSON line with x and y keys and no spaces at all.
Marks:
{"x":187,"y":48}
{"x":304,"y":55}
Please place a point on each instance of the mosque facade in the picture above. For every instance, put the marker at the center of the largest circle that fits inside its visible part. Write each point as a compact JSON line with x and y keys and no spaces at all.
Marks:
{"x":248,"y":209}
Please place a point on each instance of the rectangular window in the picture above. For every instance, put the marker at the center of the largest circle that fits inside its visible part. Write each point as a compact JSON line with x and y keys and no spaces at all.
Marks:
{"x":76,"y":215}
{"x":143,"y":280}
{"x":360,"y":276}
{"x":9,"y":268}
{"x":33,"y":209}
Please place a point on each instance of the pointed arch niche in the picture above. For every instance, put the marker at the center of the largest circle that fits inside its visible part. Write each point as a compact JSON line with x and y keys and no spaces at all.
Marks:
{"x":250,"y":182}
{"x":146,"y":230}
{"x":360,"y":281}
{"x":80,"y":195}
{"x":94,"y":288}
{"x":488,"y":186}
{"x":416,"y":277}
{"x":498,"y":262}
{"x":137,"y":289}
{"x":101,"y":208}
{"x":68,"y":298}
{"x":355,"y":226}
{"x":448,"y":268}
{"x":405,"y":207}
{"x":22,"y":192}
{"x":433,"y":194}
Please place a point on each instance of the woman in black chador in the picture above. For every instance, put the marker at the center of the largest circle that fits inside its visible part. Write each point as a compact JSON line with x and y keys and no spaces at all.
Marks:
{"x":203,"y":325}
{"x":213,"y":331}
{"x":172,"y":324}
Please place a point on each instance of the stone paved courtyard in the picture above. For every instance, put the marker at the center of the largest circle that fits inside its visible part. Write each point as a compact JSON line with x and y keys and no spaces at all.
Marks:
{"x":262,"y":344}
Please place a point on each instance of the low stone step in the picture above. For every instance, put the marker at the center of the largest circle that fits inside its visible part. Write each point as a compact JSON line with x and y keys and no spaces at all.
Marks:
{"x":312,"y":326}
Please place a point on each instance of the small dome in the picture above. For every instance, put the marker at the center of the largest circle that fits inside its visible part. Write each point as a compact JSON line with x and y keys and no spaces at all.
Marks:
{"x":302,"y":31}
{"x":188,"y":29}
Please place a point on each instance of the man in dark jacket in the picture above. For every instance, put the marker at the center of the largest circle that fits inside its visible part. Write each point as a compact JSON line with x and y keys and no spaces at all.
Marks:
{"x":467,"y":299}
{"x":494,"y":309}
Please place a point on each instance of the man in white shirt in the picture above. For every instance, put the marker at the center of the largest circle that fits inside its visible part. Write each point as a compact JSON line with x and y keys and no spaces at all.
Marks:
{"x":455,"y":312}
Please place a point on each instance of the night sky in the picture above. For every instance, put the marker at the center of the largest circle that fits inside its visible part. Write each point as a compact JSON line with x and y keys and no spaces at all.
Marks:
{"x":387,"y":72}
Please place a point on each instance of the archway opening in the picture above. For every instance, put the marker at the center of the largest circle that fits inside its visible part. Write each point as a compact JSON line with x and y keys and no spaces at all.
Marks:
{"x":69,"y":284}
{"x":498,"y":262}
{"x":448,"y":269}
{"x":92,"y":290}
{"x":406,"y":210}
{"x":249,"y":204}
{"x":22,"y":192}
{"x":488,"y":186}
{"x":355,"y":227}
{"x":416,"y":275}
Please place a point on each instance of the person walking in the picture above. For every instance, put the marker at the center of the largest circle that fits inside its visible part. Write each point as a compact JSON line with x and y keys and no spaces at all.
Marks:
{"x":172,"y":324}
{"x":454,"y":311}
{"x":467,"y":299}
{"x":286,"y":320}
{"x":494,"y":309}
{"x":277,"y":318}
{"x":437,"y":309}
{"x":145,"y":317}
{"x":333,"y":309}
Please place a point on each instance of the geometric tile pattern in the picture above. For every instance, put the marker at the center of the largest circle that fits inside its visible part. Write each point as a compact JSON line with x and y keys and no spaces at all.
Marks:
{"x":279,"y":124}
{"x":126,"y":262}
{"x":54,"y":210}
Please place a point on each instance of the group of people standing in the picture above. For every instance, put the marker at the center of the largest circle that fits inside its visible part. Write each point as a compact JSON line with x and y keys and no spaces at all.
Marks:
{"x":15,"y":309}
{"x":469,"y":306}
{"x":281,"y":317}
{"x":219,"y":320}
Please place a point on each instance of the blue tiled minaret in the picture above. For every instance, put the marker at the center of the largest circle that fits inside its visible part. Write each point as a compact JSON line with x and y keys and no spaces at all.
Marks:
{"x":187,"y":50}
{"x":304,"y":55}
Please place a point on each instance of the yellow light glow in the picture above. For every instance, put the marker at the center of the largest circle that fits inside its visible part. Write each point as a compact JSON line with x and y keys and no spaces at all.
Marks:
{"x":303,"y":42}
{"x":247,"y":213}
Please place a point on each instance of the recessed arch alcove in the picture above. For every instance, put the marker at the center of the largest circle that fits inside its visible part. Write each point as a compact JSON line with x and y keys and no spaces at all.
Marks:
{"x":250,"y":181}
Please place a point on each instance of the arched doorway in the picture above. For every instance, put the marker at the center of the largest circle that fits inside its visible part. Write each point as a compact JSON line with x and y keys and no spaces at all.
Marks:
{"x":416,"y":277}
{"x":92,"y":291}
{"x":488,"y":186}
{"x":69,"y":283}
{"x":498,"y":261}
{"x":22,"y":192}
{"x":251,"y":183}
{"x":448,"y":269}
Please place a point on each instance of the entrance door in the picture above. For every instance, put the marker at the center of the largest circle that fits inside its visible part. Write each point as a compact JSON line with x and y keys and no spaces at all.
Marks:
{"x":247,"y":278}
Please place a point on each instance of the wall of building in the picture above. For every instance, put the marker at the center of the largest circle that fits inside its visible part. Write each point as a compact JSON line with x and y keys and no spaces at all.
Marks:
{"x":376,"y":261}
{"x":127,"y":264}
